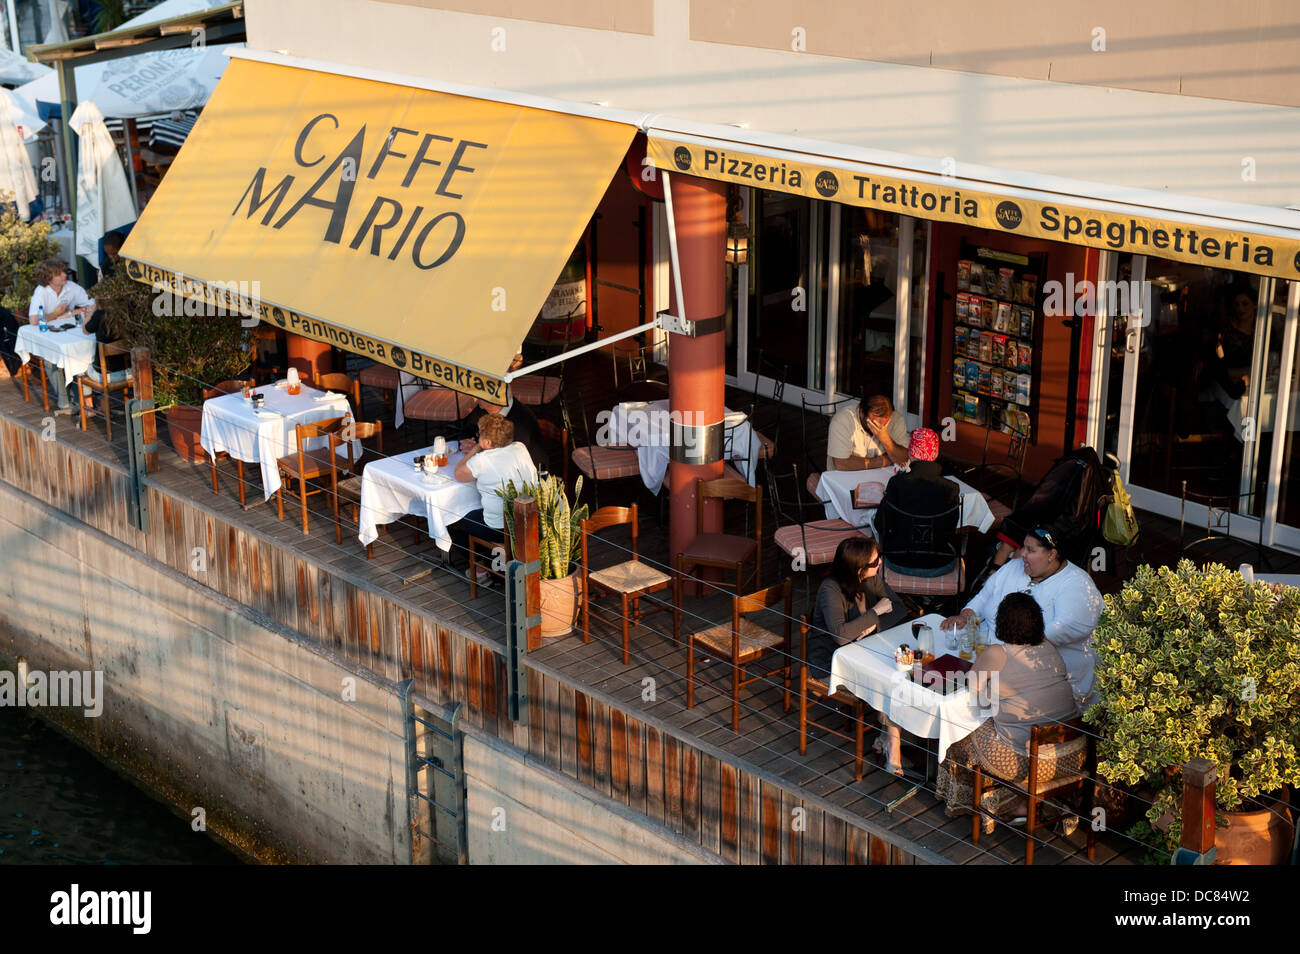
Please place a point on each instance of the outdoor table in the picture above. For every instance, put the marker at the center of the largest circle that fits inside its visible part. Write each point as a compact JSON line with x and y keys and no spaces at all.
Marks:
{"x":866,"y":668}
{"x":264,"y":436}
{"x":72,"y":351}
{"x":836,"y":488}
{"x":391,"y":489}
{"x":645,"y":426}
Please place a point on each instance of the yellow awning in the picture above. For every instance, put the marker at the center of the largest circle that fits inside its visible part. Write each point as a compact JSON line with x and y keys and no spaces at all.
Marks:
{"x":420,"y":228}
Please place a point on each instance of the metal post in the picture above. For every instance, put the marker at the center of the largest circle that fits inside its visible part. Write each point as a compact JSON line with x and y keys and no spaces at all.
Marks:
{"x":128,"y":127}
{"x":67,"y":103}
{"x":142,"y":385}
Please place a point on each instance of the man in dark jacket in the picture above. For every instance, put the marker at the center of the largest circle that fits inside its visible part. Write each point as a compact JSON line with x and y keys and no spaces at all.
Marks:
{"x":918,"y":517}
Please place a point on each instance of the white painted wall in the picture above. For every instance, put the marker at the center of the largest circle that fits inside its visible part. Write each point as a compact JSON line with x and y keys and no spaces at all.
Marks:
{"x":1167,"y":143}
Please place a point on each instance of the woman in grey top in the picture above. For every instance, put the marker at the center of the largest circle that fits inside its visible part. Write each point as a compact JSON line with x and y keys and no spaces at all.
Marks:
{"x":1032,"y":688}
{"x":852,"y":602}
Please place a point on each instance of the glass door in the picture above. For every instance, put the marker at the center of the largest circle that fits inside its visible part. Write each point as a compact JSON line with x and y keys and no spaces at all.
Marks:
{"x":1201,"y":375}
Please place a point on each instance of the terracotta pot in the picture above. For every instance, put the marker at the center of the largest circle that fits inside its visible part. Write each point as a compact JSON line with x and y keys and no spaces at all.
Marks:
{"x":183,"y":422}
{"x":559,"y":605}
{"x":1261,"y":837}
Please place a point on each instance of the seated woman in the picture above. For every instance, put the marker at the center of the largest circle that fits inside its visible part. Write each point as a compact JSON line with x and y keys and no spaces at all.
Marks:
{"x":1070,"y":602}
{"x":919,"y":499}
{"x":492,"y":461}
{"x":1032,"y":688}
{"x":852,"y":602}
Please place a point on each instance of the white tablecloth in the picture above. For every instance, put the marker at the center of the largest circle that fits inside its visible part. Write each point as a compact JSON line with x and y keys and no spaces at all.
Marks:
{"x":391,"y":489}
{"x":867,"y":669}
{"x":265,"y":436}
{"x":73,"y":350}
{"x":645,"y":426}
{"x":835,"y":487}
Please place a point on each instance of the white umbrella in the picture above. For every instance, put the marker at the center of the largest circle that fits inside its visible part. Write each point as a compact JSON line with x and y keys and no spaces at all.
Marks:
{"x":139,"y":85}
{"x":103,"y":196}
{"x":16,"y":174}
{"x":16,"y":70}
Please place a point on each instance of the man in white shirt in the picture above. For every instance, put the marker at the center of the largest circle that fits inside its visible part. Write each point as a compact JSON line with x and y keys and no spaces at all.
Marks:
{"x":866,"y":434}
{"x":1070,"y":601}
{"x":57,"y":297}
{"x":492,"y":461}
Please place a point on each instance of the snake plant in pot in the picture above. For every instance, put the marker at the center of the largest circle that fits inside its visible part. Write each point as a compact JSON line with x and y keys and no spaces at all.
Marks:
{"x":559,"y":539}
{"x":1199,"y":663}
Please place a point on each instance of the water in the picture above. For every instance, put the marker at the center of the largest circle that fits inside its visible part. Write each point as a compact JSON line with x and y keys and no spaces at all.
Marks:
{"x":59,"y":805}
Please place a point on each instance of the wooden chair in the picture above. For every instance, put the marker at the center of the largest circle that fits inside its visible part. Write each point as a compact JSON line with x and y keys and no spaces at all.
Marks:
{"x":342,"y":383}
{"x":725,"y":551}
{"x":742,"y":643}
{"x":812,"y":542}
{"x":25,"y":372}
{"x":218,"y":390}
{"x":597,"y":463}
{"x":630,"y":580}
{"x":930,"y":538}
{"x":313,"y":465}
{"x":485,"y":549}
{"x":349,"y":490}
{"x":103,"y":386}
{"x":814,"y":691}
{"x":1068,"y":737}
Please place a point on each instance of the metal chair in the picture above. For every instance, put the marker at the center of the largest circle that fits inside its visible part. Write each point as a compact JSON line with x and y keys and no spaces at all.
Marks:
{"x":815,"y":426}
{"x":438,"y":405}
{"x":380,"y":377}
{"x":1013,"y":464}
{"x":812,"y":543}
{"x":640,"y":386}
{"x":932,"y":536}
{"x":597,"y":463}
{"x":1219,"y":511}
{"x":741,"y":644}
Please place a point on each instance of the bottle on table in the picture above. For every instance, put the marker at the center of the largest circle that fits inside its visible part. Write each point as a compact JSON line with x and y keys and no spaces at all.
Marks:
{"x":41,"y":323}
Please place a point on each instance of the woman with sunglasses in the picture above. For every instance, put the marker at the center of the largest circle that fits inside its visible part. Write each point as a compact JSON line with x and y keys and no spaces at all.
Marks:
{"x":1070,"y":601}
{"x":852,"y":602}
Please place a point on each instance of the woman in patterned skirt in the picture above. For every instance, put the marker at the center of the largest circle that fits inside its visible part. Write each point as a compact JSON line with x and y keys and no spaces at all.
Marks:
{"x":1028,"y":680}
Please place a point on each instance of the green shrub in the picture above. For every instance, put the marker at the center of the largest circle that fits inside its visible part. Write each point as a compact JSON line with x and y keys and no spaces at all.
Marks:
{"x":1198,"y":663}
{"x":187,"y":351}
{"x":23,"y":246}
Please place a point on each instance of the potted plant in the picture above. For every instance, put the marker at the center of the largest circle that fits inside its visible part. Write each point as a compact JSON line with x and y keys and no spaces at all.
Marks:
{"x":188,"y":351}
{"x":23,"y":246}
{"x":1200,"y":663}
{"x":559,"y":538}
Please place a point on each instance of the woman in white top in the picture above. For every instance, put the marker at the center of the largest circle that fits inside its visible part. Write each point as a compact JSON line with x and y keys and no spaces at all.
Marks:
{"x":57,"y":297}
{"x":1070,"y":601}
{"x":491,"y":462}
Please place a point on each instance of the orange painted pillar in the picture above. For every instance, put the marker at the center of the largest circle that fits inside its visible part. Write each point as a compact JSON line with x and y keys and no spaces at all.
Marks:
{"x":697,"y":366}
{"x":308,"y":356}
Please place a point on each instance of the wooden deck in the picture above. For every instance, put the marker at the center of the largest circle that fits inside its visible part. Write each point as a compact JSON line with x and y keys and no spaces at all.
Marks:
{"x":408,"y":614}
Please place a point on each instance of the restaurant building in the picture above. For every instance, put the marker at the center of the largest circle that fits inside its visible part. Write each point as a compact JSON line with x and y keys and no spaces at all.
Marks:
{"x":1080,"y":225}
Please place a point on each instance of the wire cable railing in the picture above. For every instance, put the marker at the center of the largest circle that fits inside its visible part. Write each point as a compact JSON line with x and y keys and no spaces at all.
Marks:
{"x":610,"y":616}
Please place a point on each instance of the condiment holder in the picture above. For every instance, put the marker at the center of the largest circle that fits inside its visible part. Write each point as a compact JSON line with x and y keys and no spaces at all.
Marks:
{"x":258,"y":400}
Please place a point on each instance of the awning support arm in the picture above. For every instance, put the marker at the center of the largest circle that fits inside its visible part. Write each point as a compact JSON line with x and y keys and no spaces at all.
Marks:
{"x":583,"y":349}
{"x":672,"y":243}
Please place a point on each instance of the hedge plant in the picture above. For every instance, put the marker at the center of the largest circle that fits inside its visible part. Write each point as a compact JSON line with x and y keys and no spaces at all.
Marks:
{"x":1198,"y":663}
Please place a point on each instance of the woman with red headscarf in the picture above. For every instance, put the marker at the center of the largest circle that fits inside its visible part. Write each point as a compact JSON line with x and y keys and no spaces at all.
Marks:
{"x":919,"y":497}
